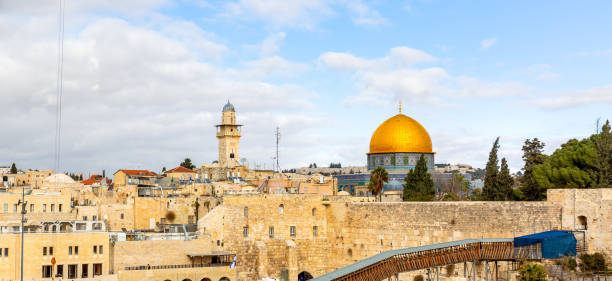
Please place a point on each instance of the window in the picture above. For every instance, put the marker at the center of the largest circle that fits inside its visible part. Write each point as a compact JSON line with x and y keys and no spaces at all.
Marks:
{"x":44,"y":208}
{"x":76,"y":250}
{"x":59,"y":208}
{"x":44,"y":251}
{"x":84,"y":270}
{"x":271,"y":231}
{"x":52,"y":208}
{"x":97,"y":269}
{"x":292,"y":231}
{"x":84,"y":218}
{"x":281,"y":209}
{"x":163,"y":220}
{"x":100,"y":249}
{"x":314,"y":212}
{"x":54,"y":228}
{"x":246,"y":211}
{"x":314,"y":230}
{"x":69,"y":250}
{"x":121,"y":216}
{"x":59,"y":271}
{"x":6,"y":207}
{"x":245,"y":231}
{"x":95,"y":249}
{"x":31,"y":208}
{"x":14,"y":208}
{"x":72,"y":271}
{"x":94,"y":218}
{"x":191,"y":219}
{"x":582,"y":220}
{"x":5,"y":252}
{"x":51,"y":251}
{"x":46,"y":271}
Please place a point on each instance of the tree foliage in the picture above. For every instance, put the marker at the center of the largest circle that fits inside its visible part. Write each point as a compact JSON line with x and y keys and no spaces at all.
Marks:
{"x":603,"y":146}
{"x":532,"y":272}
{"x":498,"y":183}
{"x":187,"y":164}
{"x":532,"y":155}
{"x":504,"y":182}
{"x":13,"y":169}
{"x":335,"y":165}
{"x":571,"y":166}
{"x":418,"y":185}
{"x":593,"y":262}
{"x":378,"y":178}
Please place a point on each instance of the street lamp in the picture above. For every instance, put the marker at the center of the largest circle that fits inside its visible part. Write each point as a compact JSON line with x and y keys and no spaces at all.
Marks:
{"x":23,"y":204}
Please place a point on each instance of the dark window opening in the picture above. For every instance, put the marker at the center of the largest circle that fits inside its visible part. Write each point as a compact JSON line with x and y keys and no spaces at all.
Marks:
{"x":59,"y":270}
{"x":582,"y":220}
{"x":84,"y":270}
{"x":232,"y":155}
{"x":97,"y":269}
{"x":72,"y":271}
{"x":46,"y":271}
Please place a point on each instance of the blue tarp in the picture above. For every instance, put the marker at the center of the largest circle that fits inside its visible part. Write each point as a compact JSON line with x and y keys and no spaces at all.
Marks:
{"x":555,"y":244}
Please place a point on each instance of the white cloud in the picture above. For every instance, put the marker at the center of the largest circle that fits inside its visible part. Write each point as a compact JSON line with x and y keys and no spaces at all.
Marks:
{"x":293,"y":13}
{"x":362,"y":14}
{"x":398,"y":76}
{"x":136,"y":96}
{"x":271,"y":45}
{"x":542,"y":72}
{"x":487,"y":43}
{"x":275,"y":65}
{"x":302,"y":13}
{"x":595,"y":95}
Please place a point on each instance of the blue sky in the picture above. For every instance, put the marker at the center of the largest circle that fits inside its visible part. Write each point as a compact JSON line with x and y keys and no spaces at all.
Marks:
{"x":145,"y":80}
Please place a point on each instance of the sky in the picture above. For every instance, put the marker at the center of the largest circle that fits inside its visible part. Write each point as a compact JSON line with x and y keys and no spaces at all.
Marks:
{"x":144,"y":81}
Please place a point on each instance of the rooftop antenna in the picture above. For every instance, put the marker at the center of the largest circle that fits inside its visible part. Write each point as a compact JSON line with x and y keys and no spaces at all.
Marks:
{"x":400,"y":107}
{"x":277,"y":139}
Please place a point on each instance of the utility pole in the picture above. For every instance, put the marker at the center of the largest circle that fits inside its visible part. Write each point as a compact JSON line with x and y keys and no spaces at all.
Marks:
{"x":23,"y":203}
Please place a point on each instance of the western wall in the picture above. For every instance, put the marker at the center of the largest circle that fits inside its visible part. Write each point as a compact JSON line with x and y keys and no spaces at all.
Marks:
{"x":331,"y":232}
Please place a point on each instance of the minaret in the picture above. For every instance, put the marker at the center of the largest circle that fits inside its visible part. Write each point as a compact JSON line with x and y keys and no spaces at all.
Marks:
{"x":228,"y":133}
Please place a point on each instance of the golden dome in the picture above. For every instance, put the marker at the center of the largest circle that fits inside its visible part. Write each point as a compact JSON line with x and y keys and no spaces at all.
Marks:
{"x":400,"y":133}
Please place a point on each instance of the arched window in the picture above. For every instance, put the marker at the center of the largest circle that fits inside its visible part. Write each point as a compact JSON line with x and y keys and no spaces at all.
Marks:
{"x":314,"y":212}
{"x":281,"y":209}
{"x":304,"y":275}
{"x":582,"y":221}
{"x":246,"y":211}
{"x":224,"y":279}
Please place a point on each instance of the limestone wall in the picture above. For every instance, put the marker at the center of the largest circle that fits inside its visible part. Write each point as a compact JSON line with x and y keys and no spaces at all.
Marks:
{"x":156,"y":252}
{"x":589,"y":210}
{"x":350,"y":231}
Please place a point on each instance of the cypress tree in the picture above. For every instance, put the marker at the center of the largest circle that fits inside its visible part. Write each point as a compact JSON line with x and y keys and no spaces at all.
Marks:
{"x":418,"y":185}
{"x":490,"y":189}
{"x":505,"y":182}
{"x":532,"y":155}
{"x":13,"y":169}
{"x":603,"y":145}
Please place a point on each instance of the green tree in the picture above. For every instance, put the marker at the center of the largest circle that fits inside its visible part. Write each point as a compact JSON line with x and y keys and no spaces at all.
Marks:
{"x":532,"y":272}
{"x":163,"y":170}
{"x":593,"y":262}
{"x":532,"y":155}
{"x":490,"y":191}
{"x":603,"y":146}
{"x":187,"y":164}
{"x":504,"y":182}
{"x":571,"y":166}
{"x":197,"y":210}
{"x":13,"y":169}
{"x":378,"y":178}
{"x":418,"y":185}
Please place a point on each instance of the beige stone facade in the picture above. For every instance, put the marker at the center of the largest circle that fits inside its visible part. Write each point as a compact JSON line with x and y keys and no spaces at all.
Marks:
{"x":228,"y":134}
{"x":86,"y":254}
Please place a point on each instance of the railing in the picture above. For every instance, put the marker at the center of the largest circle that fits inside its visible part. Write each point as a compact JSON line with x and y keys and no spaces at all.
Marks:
{"x":558,"y":272}
{"x":172,"y":266}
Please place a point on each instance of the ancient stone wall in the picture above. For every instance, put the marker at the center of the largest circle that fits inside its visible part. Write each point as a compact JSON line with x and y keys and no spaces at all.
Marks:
{"x":588,"y":210}
{"x":351,"y":231}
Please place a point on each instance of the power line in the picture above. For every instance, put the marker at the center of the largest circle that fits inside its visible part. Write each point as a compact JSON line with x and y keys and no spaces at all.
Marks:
{"x":60,"y":84}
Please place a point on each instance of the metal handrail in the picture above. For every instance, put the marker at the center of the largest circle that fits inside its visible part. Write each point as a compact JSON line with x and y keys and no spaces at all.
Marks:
{"x":171,"y":266}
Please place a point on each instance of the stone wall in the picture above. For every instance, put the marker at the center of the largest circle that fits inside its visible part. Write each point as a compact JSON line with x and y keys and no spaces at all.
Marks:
{"x":588,"y":210}
{"x":155,"y":252}
{"x":350,"y":231}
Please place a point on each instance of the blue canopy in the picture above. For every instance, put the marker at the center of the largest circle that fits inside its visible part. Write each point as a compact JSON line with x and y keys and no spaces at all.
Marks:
{"x":555,"y":244}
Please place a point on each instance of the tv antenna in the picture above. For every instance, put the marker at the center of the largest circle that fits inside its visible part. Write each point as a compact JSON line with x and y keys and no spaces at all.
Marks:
{"x":277,"y":140}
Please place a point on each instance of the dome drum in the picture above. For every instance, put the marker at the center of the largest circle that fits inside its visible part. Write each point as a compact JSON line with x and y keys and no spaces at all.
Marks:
{"x":398,"y":163}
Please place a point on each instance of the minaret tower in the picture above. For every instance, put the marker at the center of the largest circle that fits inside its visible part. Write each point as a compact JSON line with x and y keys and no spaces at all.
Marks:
{"x":229,"y":133}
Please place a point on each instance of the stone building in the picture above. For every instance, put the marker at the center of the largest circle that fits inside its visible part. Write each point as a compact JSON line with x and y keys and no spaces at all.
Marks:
{"x":229,"y":133}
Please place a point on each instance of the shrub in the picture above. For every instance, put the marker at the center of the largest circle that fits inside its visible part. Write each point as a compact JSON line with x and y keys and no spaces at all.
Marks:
{"x":532,"y":272}
{"x":450,"y":270}
{"x":592,"y":262}
{"x":418,"y":278}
